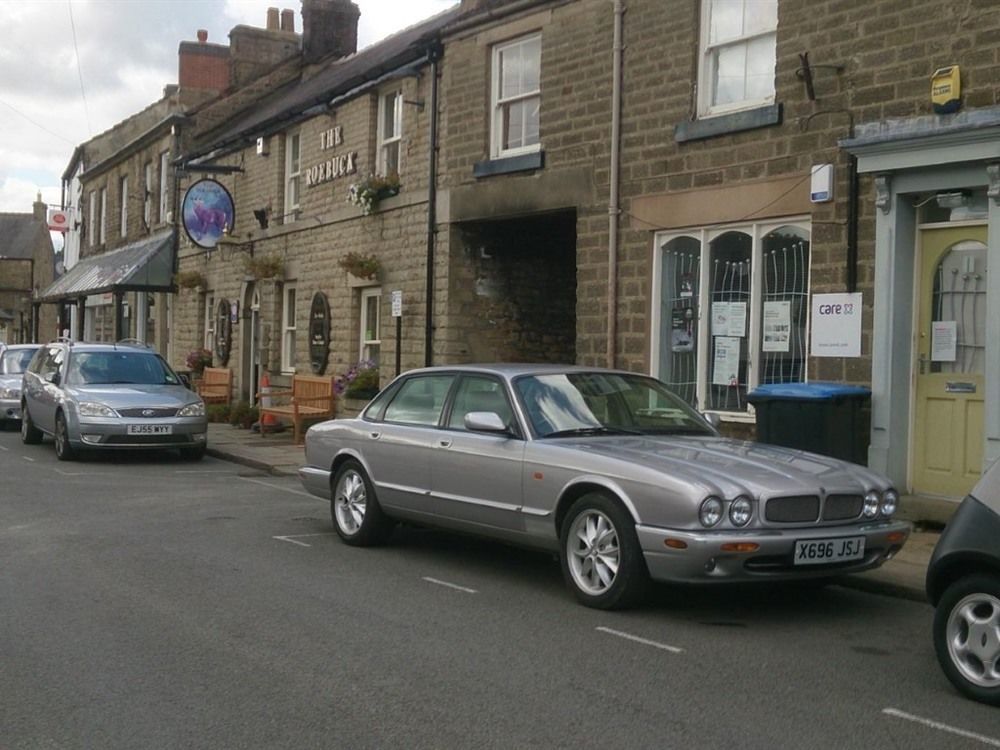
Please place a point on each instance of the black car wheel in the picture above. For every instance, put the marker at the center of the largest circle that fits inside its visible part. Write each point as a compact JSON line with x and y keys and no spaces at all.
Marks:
{"x":357,"y":516}
{"x":601,"y":558}
{"x":30,"y":435}
{"x":967,"y":636}
{"x":64,"y":451}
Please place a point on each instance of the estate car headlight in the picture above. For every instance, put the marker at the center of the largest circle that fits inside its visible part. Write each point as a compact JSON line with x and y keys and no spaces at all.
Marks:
{"x":10,"y":393}
{"x":741,"y":511}
{"x":890,"y":501}
{"x":91,"y":409}
{"x":872,"y":501}
{"x":196,"y":409}
{"x":711,"y":512}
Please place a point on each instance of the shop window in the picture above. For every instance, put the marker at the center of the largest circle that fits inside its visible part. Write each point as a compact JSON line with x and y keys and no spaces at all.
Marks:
{"x":390,"y":131}
{"x":293,"y":175}
{"x":371,"y":301}
{"x":516,"y":97}
{"x":288,"y":329}
{"x":164,"y":191}
{"x":732,"y":313}
{"x":738,"y":49}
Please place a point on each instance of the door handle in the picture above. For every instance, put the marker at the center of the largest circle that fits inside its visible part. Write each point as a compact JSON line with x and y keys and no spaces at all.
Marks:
{"x":374,"y":435}
{"x":444,"y":443}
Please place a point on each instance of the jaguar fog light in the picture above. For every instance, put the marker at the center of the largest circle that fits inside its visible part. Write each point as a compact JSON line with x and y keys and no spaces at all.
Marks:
{"x":890,"y":501}
{"x":711,"y":512}
{"x":740,"y":511}
{"x":870,"y":508}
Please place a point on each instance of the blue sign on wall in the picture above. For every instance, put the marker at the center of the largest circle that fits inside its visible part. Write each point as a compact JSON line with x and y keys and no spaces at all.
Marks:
{"x":207,"y":212}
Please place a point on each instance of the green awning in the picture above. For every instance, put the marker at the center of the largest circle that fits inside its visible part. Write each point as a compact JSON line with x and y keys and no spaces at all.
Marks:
{"x":143,"y":266}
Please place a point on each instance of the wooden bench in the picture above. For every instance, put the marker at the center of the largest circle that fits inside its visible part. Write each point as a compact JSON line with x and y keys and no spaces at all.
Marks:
{"x":311,"y":397}
{"x":216,"y":386}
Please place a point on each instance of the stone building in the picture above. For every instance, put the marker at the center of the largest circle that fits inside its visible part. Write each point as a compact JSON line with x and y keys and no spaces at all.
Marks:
{"x":27,"y":265}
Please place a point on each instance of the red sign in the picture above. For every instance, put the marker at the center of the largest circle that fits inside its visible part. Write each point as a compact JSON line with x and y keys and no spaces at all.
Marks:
{"x":58,"y":220}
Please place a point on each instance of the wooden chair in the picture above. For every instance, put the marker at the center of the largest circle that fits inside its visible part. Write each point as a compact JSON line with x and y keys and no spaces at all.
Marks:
{"x":216,"y":386}
{"x":311,"y":398}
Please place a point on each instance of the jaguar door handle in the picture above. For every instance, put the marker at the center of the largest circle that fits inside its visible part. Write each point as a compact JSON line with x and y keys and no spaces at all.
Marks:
{"x":374,"y":435}
{"x":444,"y":443}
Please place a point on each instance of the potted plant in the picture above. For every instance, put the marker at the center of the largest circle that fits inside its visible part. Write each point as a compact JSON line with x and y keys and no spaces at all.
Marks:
{"x":361,"y":381}
{"x":374,"y":188}
{"x":197,"y":360}
{"x":264,"y":266}
{"x":362,"y":267}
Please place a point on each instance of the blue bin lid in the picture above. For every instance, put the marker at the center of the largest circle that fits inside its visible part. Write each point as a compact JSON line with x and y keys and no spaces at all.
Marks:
{"x":807,"y":391}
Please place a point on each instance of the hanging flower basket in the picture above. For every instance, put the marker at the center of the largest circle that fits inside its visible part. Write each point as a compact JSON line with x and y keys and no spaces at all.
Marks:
{"x":364,"y":267}
{"x":374,"y":188}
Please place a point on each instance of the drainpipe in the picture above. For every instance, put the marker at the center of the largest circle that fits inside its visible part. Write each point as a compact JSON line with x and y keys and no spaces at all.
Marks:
{"x":852,"y":222}
{"x":433,"y":56}
{"x":613,"y":202}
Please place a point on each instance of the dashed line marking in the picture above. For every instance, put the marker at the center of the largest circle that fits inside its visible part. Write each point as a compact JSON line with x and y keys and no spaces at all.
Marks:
{"x":291,"y":538}
{"x":280,"y":489}
{"x":26,"y":458}
{"x":930,"y":723}
{"x":643,"y":641}
{"x":454,"y":586}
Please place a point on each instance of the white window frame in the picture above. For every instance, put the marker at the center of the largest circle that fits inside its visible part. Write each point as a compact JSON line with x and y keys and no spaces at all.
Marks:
{"x":164,"y":191}
{"x":209,"y":340}
{"x":703,"y":345}
{"x":289,"y":310}
{"x":706,"y":66}
{"x":147,"y":194}
{"x":123,"y":216}
{"x":365,"y":343}
{"x":293,"y":176}
{"x":497,"y":105}
{"x":104,"y":216}
{"x":395,"y":139}
{"x":92,"y":225}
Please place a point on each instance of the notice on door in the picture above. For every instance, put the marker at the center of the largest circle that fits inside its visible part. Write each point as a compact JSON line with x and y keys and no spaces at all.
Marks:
{"x":836,"y":325}
{"x":729,"y":319}
{"x":727,"y":361}
{"x":944,"y":341}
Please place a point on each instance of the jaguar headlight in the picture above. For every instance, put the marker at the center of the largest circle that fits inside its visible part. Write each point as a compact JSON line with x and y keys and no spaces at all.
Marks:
{"x":711,"y":512}
{"x":741,"y":511}
{"x":91,"y":409}
{"x":871,"y":506}
{"x":196,"y":409}
{"x":890,"y":501}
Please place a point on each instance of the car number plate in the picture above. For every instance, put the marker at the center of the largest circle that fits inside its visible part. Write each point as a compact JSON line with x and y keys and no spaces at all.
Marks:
{"x":150,"y":429}
{"x":818,"y":551}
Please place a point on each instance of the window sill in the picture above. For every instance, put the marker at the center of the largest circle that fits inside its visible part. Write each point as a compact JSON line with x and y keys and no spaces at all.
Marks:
{"x":509,"y":164}
{"x":710,"y":127}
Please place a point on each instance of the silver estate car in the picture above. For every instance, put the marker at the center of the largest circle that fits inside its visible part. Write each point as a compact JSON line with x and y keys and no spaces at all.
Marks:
{"x":122,"y":396}
{"x":610,"y":469}
{"x":14,"y":360}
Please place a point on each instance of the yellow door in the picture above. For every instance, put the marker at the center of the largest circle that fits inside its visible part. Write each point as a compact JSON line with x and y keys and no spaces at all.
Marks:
{"x":947,"y":454}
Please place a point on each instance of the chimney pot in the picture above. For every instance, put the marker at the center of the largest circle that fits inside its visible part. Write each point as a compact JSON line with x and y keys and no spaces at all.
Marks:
{"x":272,"y":19}
{"x":288,"y":20}
{"x":202,"y":36}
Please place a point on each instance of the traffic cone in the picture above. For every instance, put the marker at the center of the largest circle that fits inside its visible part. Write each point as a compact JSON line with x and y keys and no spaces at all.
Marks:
{"x":267,"y":419}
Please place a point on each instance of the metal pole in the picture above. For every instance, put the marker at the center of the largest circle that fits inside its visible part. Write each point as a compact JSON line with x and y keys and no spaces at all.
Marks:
{"x":399,"y":341}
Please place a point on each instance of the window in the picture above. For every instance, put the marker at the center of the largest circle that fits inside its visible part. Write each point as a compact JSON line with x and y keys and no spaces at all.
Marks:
{"x":516,"y":97}
{"x":147,"y":195}
{"x":419,"y":400}
{"x":479,"y":393}
{"x":103,"y":236}
{"x":293,"y":166}
{"x":390,"y":129}
{"x":288,"y":329}
{"x":164,"y":168}
{"x":738,"y":41}
{"x":732,"y":312}
{"x":371,"y":300}
{"x":92,"y":221}
{"x":123,"y":195}
{"x":210,"y":321}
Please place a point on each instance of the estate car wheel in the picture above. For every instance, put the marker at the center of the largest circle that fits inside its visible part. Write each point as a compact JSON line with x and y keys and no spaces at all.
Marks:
{"x":357,"y":516}
{"x":64,"y":451}
{"x":601,"y":559}
{"x":967,"y":636}
{"x":30,"y":435}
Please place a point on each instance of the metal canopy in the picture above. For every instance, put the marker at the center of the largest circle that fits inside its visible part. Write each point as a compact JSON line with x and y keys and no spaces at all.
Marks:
{"x":143,"y":266}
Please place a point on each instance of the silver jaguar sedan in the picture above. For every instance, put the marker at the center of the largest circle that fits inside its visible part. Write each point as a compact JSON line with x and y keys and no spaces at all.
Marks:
{"x":14,"y":360}
{"x":608,"y":468}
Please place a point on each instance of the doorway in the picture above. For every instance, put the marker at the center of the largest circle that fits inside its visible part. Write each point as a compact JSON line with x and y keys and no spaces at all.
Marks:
{"x":251,"y":345}
{"x":949,"y":371}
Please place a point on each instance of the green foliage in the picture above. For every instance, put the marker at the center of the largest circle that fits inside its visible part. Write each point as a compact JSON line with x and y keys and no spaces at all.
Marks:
{"x":217,"y":413}
{"x":362,"y":266}
{"x":243,"y":415}
{"x":365,"y":385}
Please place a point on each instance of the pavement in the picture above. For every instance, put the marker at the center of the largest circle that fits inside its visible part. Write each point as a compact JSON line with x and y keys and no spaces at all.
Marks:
{"x":902,"y":576}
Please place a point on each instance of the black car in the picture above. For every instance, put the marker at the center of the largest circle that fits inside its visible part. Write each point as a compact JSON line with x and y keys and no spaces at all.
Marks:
{"x":963,"y":583}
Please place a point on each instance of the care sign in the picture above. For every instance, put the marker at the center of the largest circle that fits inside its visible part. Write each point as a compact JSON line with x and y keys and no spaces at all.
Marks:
{"x":836,"y":325}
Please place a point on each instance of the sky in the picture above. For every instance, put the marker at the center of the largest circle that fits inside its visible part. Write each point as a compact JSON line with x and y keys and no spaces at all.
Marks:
{"x":70,"y":69}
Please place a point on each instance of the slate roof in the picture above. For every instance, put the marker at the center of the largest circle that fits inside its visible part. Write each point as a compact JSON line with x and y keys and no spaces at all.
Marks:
{"x":18,"y":235}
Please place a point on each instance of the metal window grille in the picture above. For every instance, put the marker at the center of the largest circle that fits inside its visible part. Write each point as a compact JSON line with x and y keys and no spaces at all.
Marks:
{"x":730,"y":269}
{"x":679,"y":313}
{"x":959,"y":295}
{"x":785,"y":265}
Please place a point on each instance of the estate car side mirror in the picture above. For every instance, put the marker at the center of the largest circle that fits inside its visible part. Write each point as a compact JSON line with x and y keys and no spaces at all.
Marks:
{"x":185,"y":380}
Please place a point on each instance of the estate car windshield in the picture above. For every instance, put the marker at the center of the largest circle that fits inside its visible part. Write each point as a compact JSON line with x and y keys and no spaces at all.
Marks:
{"x":15,"y":361}
{"x":95,"y":368}
{"x":596,"y":403}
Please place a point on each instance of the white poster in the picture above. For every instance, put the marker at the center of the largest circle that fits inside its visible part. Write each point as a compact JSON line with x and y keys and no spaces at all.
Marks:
{"x":777,"y":326}
{"x":944,"y":341}
{"x":729,"y":319}
{"x":726,"y":367}
{"x":836,"y":325}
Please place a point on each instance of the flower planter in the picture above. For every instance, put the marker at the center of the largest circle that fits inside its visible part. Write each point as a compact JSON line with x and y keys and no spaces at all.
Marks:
{"x":360,"y":281}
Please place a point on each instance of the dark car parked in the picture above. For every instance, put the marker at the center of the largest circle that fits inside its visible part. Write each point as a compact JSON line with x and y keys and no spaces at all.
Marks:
{"x":963,"y":583}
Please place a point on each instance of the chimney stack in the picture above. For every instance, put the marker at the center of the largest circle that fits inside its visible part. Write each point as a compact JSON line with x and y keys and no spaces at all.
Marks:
{"x":202,"y":66}
{"x":40,"y":209}
{"x":329,"y":28}
{"x":288,"y":20}
{"x":272,"y":19}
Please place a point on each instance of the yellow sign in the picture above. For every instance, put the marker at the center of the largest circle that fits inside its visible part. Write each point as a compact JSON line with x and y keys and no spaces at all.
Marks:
{"x":946,"y":90}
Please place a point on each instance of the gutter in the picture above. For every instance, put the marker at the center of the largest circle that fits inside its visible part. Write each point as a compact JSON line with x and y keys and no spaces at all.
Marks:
{"x":434,"y":54}
{"x":614,"y":208}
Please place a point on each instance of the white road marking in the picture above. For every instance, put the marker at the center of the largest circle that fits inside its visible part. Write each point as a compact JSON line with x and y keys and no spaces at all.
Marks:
{"x":280,"y":489}
{"x":292,"y":537}
{"x":991,"y":741}
{"x":450,"y":585}
{"x":206,"y":471}
{"x":4,"y":448}
{"x":644,"y":641}
{"x":28,"y":459}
